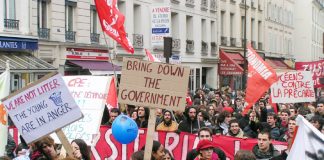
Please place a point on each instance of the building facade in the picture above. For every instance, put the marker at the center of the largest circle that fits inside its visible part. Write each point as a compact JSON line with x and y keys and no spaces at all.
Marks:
{"x":232,"y":29}
{"x":309,"y":30}
{"x":19,"y":44}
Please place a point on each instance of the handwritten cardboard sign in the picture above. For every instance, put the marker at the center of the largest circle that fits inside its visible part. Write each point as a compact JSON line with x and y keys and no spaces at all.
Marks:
{"x":154,"y":85}
{"x":90,"y":93}
{"x":42,"y":108}
{"x":293,"y":87}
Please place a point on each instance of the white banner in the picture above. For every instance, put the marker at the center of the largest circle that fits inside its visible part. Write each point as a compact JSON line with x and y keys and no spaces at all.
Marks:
{"x":293,"y":87}
{"x":161,"y":24}
{"x":90,"y":93}
{"x":308,"y":143}
{"x":42,"y":108}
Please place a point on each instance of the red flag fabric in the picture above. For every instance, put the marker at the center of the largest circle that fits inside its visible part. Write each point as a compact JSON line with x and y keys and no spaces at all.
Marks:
{"x":260,"y":77}
{"x":112,"y":22}
{"x":150,"y":56}
{"x":111,"y":100}
{"x":273,"y":105}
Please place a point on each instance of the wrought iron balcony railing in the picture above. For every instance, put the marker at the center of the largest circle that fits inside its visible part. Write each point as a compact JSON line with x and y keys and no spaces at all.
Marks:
{"x":223,"y":41}
{"x":176,"y":44}
{"x":44,"y":33}
{"x":233,"y":42}
{"x":204,"y":5}
{"x":11,"y":24}
{"x":94,"y":37}
{"x":138,"y":41}
{"x":213,"y":47}
{"x":213,"y":5}
{"x":190,"y":3}
{"x":204,"y":47}
{"x":190,"y":46}
{"x":70,"y":36}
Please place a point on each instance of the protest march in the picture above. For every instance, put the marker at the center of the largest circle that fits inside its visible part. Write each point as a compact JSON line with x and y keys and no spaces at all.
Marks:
{"x":150,"y":109}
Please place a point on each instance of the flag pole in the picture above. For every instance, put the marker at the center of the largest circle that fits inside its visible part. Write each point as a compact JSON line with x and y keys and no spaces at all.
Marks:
{"x":110,"y":59}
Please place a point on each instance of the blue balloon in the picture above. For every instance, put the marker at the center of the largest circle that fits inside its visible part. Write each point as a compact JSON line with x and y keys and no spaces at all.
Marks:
{"x":124,"y":129}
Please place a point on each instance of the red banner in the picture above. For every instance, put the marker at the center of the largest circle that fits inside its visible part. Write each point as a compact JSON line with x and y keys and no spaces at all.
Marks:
{"x":260,"y":77}
{"x":112,"y":22}
{"x":106,"y":147}
{"x":317,"y":69}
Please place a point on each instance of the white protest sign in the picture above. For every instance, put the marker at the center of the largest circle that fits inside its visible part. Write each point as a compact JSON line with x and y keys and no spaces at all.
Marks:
{"x":293,"y":87}
{"x":42,"y":108}
{"x":90,"y":93}
{"x":161,"y":24}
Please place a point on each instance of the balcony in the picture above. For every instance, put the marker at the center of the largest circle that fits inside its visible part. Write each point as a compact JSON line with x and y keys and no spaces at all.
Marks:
{"x":260,"y":46}
{"x":11,"y":24}
{"x":223,"y":41}
{"x":94,"y":37}
{"x":233,"y":42}
{"x":138,"y":41}
{"x":260,"y":7}
{"x":190,"y":46}
{"x":176,"y":44}
{"x":253,"y":43}
{"x":243,"y":42}
{"x":204,"y":47}
{"x":242,"y":4}
{"x":213,"y":6}
{"x":44,"y":33}
{"x":213,"y":48}
{"x":253,"y":5}
{"x":204,"y":5}
{"x":175,"y":1}
{"x":233,"y":1}
{"x":70,"y":36}
{"x":190,"y":3}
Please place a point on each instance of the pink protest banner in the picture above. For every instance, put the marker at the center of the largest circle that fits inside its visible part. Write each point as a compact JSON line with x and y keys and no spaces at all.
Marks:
{"x":317,"y":69}
{"x":293,"y":87}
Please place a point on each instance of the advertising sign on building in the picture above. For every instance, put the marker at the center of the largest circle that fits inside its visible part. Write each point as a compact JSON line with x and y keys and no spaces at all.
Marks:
{"x":293,"y":87}
{"x":161,"y":24}
{"x":155,"y":85}
{"x":42,"y":108}
{"x":86,"y":54}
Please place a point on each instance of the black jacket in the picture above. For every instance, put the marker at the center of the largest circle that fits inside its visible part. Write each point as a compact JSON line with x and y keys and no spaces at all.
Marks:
{"x":188,"y":125}
{"x":272,"y":152}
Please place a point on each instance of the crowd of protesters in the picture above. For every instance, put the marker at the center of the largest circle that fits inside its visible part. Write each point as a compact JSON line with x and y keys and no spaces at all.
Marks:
{"x":209,"y":112}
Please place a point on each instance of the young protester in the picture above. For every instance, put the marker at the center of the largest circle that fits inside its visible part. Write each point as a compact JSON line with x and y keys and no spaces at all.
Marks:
{"x":264,"y":149}
{"x":80,"y":149}
{"x":205,"y":149}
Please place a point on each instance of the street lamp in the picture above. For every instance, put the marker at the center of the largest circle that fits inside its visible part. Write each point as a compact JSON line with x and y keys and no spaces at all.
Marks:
{"x":244,"y":52}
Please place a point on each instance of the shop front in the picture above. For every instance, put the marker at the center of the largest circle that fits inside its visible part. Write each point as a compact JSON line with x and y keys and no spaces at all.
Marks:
{"x":25,"y":68}
{"x":88,"y":61}
{"x":230,"y":70}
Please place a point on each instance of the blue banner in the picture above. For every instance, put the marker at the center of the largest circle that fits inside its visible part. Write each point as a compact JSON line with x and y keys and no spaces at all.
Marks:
{"x":18,"y":43}
{"x":160,"y":30}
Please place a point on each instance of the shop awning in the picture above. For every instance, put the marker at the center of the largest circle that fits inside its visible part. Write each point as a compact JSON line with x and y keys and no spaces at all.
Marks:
{"x":97,"y":67}
{"x":228,"y":65}
{"x":24,"y":62}
{"x":277,"y":64}
{"x":237,"y":57}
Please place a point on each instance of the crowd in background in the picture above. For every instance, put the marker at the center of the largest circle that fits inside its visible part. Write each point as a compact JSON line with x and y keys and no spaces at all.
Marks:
{"x":208,"y":112}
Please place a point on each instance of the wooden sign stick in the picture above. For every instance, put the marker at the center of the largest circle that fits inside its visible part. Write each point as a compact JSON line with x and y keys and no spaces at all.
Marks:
{"x":150,"y":134}
{"x":66,"y":144}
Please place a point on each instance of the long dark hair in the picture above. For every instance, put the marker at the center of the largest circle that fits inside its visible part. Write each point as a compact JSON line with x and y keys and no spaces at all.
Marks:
{"x":85,"y":152}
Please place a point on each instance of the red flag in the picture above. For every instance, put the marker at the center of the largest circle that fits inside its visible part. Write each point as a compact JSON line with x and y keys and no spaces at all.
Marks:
{"x":112,"y":22}
{"x":274,"y":105}
{"x":260,"y":77}
{"x":150,"y":56}
{"x":111,"y":100}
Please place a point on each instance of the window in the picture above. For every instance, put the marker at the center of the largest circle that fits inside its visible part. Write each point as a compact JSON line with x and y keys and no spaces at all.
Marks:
{"x":93,"y":19}
{"x":242,"y":26}
{"x":69,"y":15}
{"x":213,"y":31}
{"x":9,"y":9}
{"x":42,"y":14}
{"x":203,"y":30}
{"x":223,"y":23}
{"x":232,"y":25}
{"x":252,"y":29}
